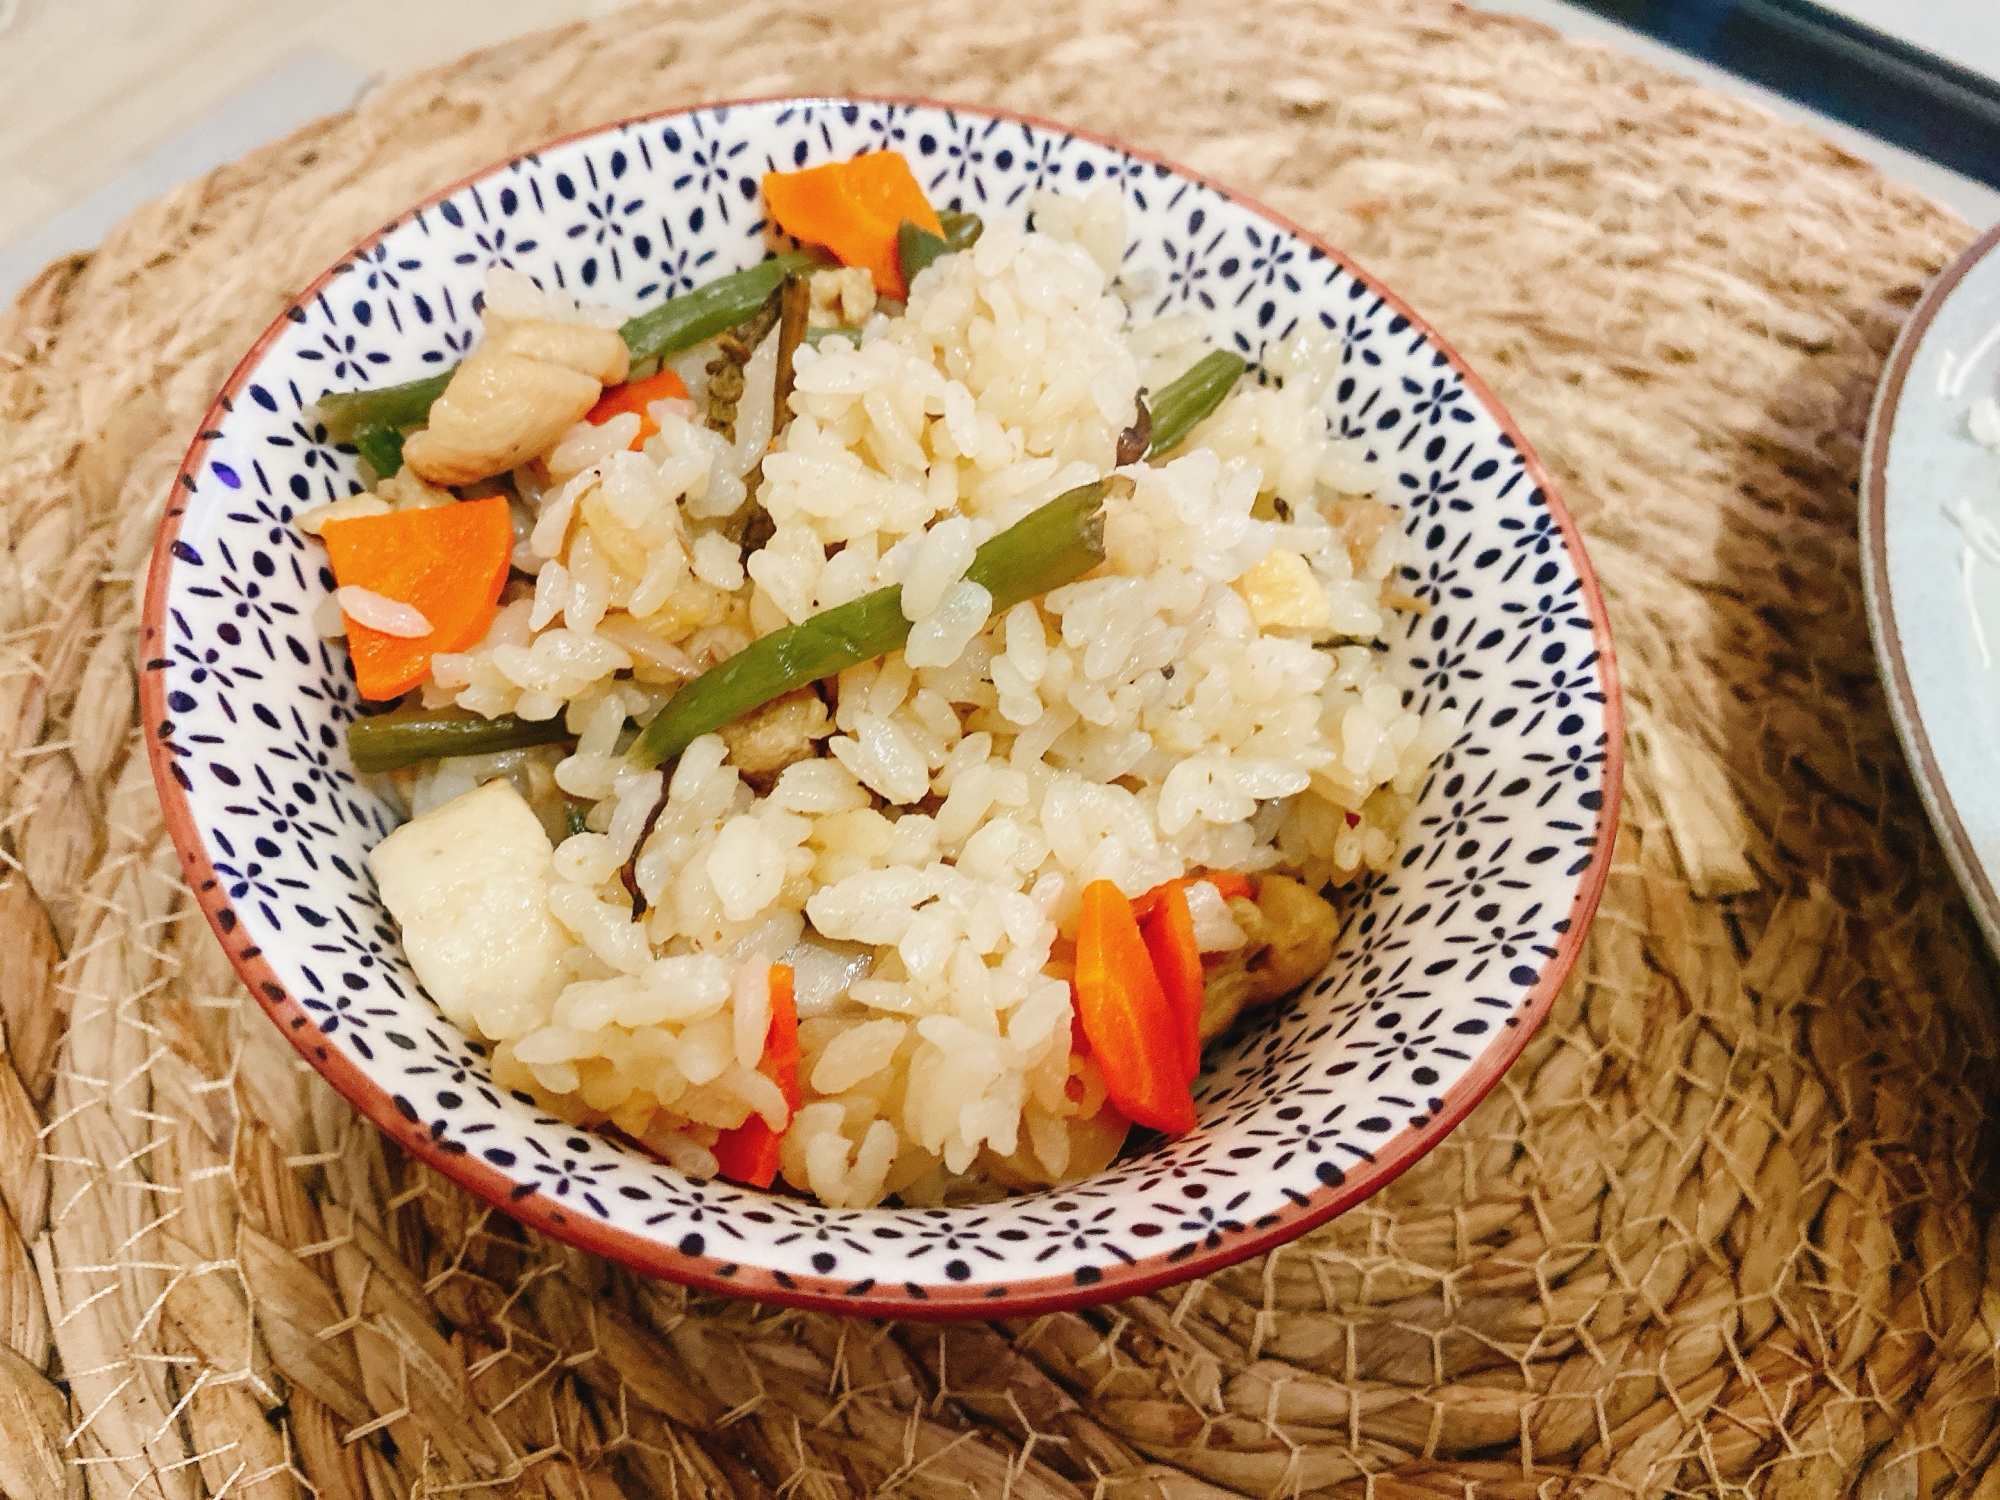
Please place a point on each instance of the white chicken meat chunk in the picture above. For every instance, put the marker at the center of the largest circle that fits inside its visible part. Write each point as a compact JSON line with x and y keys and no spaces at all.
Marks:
{"x":469,"y":883}
{"x":527,"y":384}
{"x":499,"y":411}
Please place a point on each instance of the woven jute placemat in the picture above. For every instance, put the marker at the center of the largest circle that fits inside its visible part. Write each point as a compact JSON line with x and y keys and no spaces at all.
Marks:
{"x":1724,"y":1228}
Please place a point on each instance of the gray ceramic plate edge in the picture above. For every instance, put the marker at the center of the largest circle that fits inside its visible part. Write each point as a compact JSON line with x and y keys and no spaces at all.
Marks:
{"x":1917,"y":608}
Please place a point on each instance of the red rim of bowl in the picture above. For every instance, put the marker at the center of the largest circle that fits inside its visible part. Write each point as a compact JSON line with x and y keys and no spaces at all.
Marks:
{"x":1973,"y":878}
{"x":930,"y":1300}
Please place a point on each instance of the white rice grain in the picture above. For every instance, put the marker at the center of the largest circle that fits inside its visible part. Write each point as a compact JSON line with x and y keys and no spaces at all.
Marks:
{"x":367,"y":608}
{"x":718,"y":561}
{"x":857,"y":1053}
{"x":939,"y":638}
{"x":939,"y":561}
{"x":884,"y":759}
{"x":314,"y":517}
{"x":750,"y":1003}
{"x":746,"y":865}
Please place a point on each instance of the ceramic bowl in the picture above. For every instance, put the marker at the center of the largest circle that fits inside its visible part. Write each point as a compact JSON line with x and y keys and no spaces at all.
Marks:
{"x":1444,"y":967}
{"x":1930,"y":510}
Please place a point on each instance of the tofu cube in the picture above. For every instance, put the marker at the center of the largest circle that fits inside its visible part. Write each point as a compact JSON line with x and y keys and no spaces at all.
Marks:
{"x":469,"y":883}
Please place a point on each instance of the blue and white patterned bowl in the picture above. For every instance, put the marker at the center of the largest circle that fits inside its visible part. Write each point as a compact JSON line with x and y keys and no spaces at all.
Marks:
{"x":1443,"y":968}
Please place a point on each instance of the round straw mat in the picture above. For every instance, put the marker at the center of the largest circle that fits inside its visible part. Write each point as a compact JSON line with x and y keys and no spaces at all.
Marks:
{"x":1725,"y":1226}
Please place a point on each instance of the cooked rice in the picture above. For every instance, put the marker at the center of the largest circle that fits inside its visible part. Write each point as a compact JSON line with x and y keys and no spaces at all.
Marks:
{"x":1132,"y":726}
{"x":381,"y":613}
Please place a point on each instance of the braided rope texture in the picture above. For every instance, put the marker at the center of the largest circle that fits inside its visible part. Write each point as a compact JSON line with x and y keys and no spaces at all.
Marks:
{"x":1723,"y":1230}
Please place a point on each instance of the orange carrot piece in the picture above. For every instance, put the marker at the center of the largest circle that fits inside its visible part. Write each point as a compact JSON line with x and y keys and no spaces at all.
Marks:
{"x":854,"y":208}
{"x":749,"y":1153}
{"x":1169,"y":936}
{"x":447,"y":562}
{"x":1229,"y":883}
{"x":636,"y":396}
{"x":808,"y":203}
{"x":1133,"y":1035}
{"x":882,"y":185}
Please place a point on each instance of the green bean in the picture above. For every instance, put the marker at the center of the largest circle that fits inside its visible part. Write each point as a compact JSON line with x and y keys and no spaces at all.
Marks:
{"x":1186,"y":401}
{"x":701,"y":314}
{"x":380,"y":447}
{"x":680,"y":324}
{"x":407,"y":405}
{"x":405,"y":737}
{"x":917,"y":247}
{"x":1046,"y":549}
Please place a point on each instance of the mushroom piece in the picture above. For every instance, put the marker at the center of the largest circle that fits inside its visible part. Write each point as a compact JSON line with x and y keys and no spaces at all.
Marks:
{"x":1291,"y":934}
{"x":766,"y":740}
{"x":1360,"y":522}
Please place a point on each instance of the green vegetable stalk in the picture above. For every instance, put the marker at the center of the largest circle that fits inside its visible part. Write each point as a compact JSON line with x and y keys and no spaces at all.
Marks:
{"x":405,"y":737}
{"x":794,"y":308}
{"x":678,"y":324}
{"x":701,"y":314}
{"x":380,"y":447}
{"x":917,"y":247}
{"x":346,"y":413}
{"x":1043,"y":551}
{"x":1184,"y":402}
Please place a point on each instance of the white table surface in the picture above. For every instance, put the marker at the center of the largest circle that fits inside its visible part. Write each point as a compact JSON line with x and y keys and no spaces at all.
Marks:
{"x":1966,"y":32}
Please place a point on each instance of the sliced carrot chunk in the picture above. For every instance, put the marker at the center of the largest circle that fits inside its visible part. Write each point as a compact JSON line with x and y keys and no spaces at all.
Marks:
{"x":749,"y":1153}
{"x":1232,"y":885}
{"x":1132,"y":1033}
{"x":447,"y":562}
{"x":636,"y":396}
{"x":882,"y":184}
{"x":854,"y":208}
{"x":1169,"y":935}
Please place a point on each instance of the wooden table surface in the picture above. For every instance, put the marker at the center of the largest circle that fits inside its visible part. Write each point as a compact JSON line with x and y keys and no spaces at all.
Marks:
{"x":92,"y":86}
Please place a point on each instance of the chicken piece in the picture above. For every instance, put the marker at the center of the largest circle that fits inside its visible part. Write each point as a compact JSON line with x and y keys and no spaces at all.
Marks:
{"x":519,"y":392}
{"x":469,"y":883}
{"x":1291,"y":934}
{"x":766,"y":740}
{"x":597,"y":352}
{"x":499,"y":411}
{"x":1283,"y":594}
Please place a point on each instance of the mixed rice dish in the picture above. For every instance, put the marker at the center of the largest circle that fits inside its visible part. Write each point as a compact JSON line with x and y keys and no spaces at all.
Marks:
{"x":865,"y":725}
